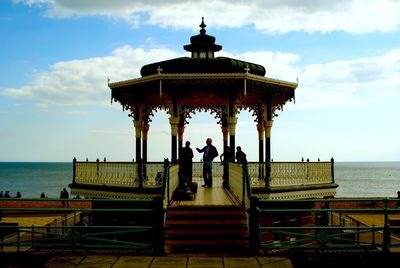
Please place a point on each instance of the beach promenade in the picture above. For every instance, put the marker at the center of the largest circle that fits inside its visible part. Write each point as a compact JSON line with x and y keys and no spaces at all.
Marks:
{"x":167,"y":262}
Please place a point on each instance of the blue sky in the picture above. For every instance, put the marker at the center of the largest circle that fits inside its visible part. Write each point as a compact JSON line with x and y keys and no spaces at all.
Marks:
{"x":56,"y":56}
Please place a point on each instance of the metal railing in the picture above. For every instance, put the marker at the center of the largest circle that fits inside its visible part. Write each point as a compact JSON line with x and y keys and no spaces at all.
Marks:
{"x":118,"y":174}
{"x":334,"y":224}
{"x":101,"y":224}
{"x":291,"y":173}
{"x":138,"y":175}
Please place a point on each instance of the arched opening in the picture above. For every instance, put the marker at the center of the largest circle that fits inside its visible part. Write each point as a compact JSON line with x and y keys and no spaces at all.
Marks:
{"x":159,"y":137}
{"x":246,"y":135}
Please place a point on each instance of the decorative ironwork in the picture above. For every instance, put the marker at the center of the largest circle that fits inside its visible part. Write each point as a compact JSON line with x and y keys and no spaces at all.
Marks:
{"x":152,"y":109}
{"x":218,"y":113}
{"x":292,"y":174}
{"x":117,"y":174}
{"x":153,"y":174}
{"x":254,"y":109}
{"x":217,"y":169}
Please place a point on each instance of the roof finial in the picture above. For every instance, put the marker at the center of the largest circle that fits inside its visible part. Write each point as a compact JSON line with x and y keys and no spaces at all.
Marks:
{"x":202,"y":26}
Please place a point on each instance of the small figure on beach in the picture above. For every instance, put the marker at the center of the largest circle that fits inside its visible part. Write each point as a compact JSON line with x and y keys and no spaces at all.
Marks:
{"x":64,"y":195}
{"x":42,"y":195}
{"x":209,"y":153}
{"x":240,"y":156}
{"x":18,"y":195}
{"x":1,"y":194}
{"x":7,"y":194}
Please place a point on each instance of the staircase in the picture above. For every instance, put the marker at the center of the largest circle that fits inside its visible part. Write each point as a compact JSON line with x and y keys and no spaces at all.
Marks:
{"x":206,"y":229}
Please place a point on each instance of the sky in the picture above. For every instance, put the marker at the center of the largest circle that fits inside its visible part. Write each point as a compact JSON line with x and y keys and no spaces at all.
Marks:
{"x":57,"y":56}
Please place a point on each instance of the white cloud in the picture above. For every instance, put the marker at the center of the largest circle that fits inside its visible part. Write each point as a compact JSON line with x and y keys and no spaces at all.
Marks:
{"x":351,"y":82}
{"x":333,"y":84}
{"x":83,"y":82}
{"x":273,"y":16}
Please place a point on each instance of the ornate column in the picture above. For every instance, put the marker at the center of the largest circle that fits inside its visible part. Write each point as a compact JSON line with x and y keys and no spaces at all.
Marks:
{"x":138,"y":132}
{"x":225,"y":176}
{"x":231,"y":121}
{"x":174,"y":121}
{"x":267,"y":127}
{"x":260,"y":130}
{"x":232,"y":133}
{"x":225,"y":133}
{"x":145,"y":131}
{"x":181,"y":130}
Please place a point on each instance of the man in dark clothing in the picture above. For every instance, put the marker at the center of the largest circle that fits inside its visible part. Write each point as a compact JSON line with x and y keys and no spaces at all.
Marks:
{"x":241,"y":156}
{"x":187,"y":162}
{"x":209,"y":153}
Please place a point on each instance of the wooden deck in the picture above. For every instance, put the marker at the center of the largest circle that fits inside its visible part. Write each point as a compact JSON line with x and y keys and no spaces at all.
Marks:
{"x":215,"y":196}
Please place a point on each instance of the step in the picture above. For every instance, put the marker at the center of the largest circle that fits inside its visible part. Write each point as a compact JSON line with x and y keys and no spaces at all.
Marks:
{"x":205,"y":232}
{"x":205,"y":222}
{"x":202,"y":212}
{"x":219,"y":242}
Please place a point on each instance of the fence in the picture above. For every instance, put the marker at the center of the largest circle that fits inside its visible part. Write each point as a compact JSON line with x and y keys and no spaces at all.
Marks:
{"x":101,"y":224}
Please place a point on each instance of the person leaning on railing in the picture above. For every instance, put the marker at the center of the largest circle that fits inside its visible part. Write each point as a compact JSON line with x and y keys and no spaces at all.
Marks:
{"x":240,"y":156}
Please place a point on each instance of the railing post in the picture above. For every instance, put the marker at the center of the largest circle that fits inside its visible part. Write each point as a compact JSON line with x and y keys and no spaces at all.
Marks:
{"x":254,"y":227}
{"x":268,"y":174}
{"x":32,"y":234}
{"x":373,"y":234}
{"x":140,"y":172}
{"x":73,"y":170}
{"x":386,"y":228}
{"x":245,"y":173}
{"x":18,"y":240}
{"x":166,"y":178}
{"x":159,"y":226}
{"x":333,"y":169}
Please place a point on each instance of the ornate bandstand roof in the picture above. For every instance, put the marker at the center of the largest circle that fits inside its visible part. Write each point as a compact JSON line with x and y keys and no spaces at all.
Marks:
{"x":202,"y":80}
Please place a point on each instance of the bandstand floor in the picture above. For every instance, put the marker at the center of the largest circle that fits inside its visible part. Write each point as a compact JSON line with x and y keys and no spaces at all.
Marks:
{"x":214,"y":196}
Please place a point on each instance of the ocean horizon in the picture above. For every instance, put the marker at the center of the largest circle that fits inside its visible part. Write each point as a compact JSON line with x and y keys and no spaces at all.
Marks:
{"x":355,"y":178}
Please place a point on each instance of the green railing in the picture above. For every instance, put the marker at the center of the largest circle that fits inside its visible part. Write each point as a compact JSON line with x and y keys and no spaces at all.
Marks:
{"x":320,"y":224}
{"x":312,"y":224}
{"x":100,"y":224}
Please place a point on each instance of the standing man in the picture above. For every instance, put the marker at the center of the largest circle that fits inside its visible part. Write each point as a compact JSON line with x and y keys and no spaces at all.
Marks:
{"x":209,"y":153}
{"x":187,"y":163}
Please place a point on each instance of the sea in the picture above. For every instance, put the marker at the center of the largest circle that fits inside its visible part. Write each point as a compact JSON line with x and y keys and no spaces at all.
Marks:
{"x":355,"y":179}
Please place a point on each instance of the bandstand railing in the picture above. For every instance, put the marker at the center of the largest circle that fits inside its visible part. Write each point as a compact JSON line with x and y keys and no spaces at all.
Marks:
{"x":137,"y":175}
{"x":291,"y":173}
{"x":119,"y":174}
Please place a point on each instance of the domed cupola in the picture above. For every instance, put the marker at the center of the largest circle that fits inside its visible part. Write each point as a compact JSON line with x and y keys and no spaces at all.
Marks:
{"x":202,"y":45}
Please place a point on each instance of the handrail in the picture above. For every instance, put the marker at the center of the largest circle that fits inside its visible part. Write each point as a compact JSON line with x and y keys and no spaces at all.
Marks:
{"x":330,"y":224}
{"x":85,"y":225}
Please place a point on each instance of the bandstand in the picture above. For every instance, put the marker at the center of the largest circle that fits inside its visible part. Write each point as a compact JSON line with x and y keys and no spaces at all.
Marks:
{"x":223,"y":87}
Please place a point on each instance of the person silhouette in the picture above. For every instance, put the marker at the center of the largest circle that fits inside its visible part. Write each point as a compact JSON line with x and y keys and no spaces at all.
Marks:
{"x":64,"y":195}
{"x":209,"y":153}
{"x":187,"y":163}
